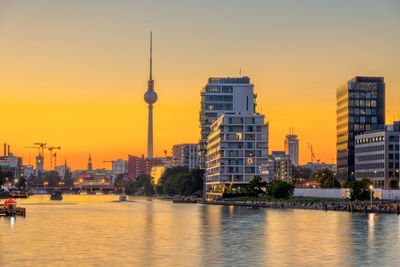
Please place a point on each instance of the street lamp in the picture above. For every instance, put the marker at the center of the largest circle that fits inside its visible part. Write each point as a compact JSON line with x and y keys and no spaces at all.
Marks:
{"x":370,"y":187}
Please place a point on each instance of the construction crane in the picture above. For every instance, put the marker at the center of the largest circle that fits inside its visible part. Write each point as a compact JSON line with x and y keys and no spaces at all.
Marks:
{"x":41,"y":146}
{"x":51,"y":148}
{"x":55,"y":159}
{"x":30,"y":147}
{"x":312,"y":154}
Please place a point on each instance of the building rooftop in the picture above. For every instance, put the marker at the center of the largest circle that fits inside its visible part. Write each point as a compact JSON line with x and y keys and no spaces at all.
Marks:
{"x":240,"y":80}
{"x":366,"y":79}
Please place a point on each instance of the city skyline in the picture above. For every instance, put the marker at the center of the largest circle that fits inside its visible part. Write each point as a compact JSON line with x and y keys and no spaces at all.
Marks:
{"x":79,"y":90}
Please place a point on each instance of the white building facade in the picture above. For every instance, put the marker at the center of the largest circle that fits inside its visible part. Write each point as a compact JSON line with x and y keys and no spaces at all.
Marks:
{"x":377,"y":156}
{"x":220,"y":96}
{"x":186,"y":155}
{"x":237,"y":147}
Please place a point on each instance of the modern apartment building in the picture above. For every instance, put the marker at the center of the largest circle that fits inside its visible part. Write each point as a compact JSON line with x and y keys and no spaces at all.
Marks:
{"x":291,"y":144}
{"x":360,"y":108}
{"x":278,"y":167}
{"x":237,"y":147}
{"x":186,"y":155}
{"x":220,"y":96}
{"x":377,"y":156}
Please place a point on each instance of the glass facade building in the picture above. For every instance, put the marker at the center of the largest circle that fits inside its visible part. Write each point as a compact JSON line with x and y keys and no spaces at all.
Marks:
{"x":360,"y":108}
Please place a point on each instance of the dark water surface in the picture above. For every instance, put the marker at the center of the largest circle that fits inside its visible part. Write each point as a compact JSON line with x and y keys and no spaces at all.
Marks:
{"x":101,"y":231}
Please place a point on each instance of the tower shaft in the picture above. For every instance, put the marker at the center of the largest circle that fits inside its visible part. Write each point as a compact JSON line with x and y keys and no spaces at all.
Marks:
{"x":150,"y":133}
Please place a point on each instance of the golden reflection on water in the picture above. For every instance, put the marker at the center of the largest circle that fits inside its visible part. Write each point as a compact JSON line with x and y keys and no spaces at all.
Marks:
{"x":99,"y":230}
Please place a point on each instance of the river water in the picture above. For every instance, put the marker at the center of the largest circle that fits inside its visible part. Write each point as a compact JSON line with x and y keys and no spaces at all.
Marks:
{"x":97,"y":230}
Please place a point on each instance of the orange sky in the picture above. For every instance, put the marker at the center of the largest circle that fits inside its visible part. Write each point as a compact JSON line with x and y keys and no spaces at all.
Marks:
{"x":73,"y":73}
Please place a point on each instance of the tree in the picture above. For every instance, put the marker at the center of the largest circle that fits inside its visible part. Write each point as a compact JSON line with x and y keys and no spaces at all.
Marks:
{"x":21,"y":184}
{"x":301,"y":173}
{"x":280,"y":189}
{"x":326,"y":178}
{"x":198,"y":180}
{"x":142,"y":186}
{"x":256,"y":187}
{"x":360,"y":189}
{"x":120,"y":182}
{"x":52,"y":178}
{"x":68,"y":180}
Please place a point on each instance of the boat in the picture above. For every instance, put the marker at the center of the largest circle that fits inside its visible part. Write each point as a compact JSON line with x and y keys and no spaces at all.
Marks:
{"x":56,"y":195}
{"x":179,"y":199}
{"x":123,"y":197}
{"x":9,"y":208}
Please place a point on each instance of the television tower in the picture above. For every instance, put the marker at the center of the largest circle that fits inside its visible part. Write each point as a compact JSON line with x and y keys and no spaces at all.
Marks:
{"x":150,"y":97}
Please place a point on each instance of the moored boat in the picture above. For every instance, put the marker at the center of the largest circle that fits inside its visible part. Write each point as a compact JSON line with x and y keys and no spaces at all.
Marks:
{"x":56,"y":195}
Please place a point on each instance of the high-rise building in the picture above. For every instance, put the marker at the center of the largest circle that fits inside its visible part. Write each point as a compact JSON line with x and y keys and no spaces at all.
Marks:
{"x":150,"y":97}
{"x":360,"y":108}
{"x":377,"y":156}
{"x":220,"y":96}
{"x":292,"y":147}
{"x":185,"y":155}
{"x":237,"y":148}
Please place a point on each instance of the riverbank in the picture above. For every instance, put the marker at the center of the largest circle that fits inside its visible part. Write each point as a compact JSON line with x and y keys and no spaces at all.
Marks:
{"x":382,"y":208}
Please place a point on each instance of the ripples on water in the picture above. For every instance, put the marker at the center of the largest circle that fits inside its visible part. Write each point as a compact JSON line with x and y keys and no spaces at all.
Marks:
{"x":101,"y":231}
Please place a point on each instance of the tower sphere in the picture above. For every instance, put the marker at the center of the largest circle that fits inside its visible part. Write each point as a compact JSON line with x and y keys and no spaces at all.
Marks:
{"x":150,"y":97}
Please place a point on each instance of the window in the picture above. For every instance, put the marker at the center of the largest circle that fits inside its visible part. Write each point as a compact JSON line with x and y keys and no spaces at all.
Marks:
{"x":227,"y":89}
{"x":362,"y":119}
{"x":391,"y":147}
{"x":212,"y":89}
{"x":373,"y":103}
{"x":390,"y":156}
{"x":373,"y":119}
{"x":397,"y":147}
{"x":357,"y":111}
{"x":368,"y":111}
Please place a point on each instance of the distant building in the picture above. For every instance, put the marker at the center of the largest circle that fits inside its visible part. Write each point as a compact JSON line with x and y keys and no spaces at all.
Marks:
{"x":29,"y":171}
{"x":220,"y":96}
{"x":237,"y":147}
{"x":185,"y":155}
{"x":119,"y":166}
{"x":278,"y":167}
{"x":156,"y":173}
{"x":11,"y":167}
{"x":61,"y":169}
{"x":292,"y":147}
{"x":377,"y":156}
{"x":360,"y":108}
{"x":141,"y":165}
{"x":90,"y":166}
{"x":319,"y":166}
{"x":39,"y":165}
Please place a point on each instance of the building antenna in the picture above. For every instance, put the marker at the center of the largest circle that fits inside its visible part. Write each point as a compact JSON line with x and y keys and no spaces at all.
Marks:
{"x":151,"y":56}
{"x":240,"y":72}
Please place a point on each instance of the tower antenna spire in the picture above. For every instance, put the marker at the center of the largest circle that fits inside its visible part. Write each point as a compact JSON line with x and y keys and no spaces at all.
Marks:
{"x":151,"y":56}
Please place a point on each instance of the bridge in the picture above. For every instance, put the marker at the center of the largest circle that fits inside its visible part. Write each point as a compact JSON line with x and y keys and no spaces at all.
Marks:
{"x":90,"y":189}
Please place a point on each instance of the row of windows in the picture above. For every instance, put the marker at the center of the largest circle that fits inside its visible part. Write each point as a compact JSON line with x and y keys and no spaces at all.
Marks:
{"x":370,"y":157}
{"x":360,"y":127}
{"x":370,"y":149}
{"x":393,"y":156}
{"x":362,"y":119}
{"x":370,"y":140}
{"x":394,"y":138}
{"x":362,"y":111}
{"x":216,"y":106}
{"x":393,"y":165}
{"x":393,"y":147}
{"x":219,"y":98}
{"x":362,"y":103}
{"x":369,"y":174}
{"x":380,"y":165}
{"x":219,"y":89}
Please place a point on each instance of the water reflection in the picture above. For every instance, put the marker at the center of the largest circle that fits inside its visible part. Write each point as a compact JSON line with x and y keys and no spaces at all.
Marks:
{"x":99,"y":230}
